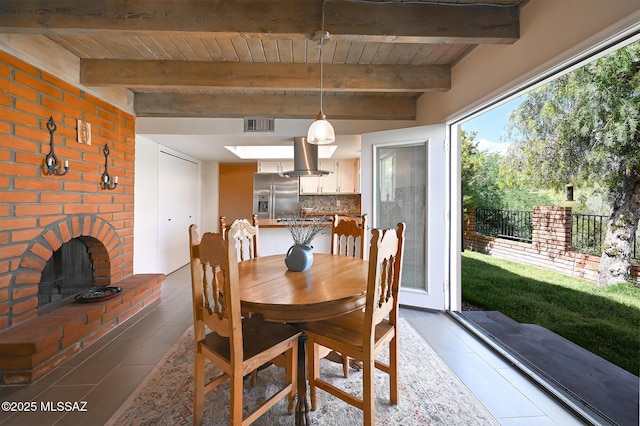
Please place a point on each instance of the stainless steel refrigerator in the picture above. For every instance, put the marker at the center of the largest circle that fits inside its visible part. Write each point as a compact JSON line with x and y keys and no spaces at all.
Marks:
{"x":275,"y":196}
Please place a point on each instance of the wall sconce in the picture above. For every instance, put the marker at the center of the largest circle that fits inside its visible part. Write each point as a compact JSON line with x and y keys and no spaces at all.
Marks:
{"x":105,"y":181}
{"x":51,"y":163}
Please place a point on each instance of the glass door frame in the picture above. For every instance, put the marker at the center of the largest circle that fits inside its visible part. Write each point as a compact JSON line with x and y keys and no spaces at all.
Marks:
{"x":377,"y":175}
{"x":435,"y":294}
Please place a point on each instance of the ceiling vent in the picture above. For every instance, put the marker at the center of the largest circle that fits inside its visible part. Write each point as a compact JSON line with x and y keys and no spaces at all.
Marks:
{"x":259,"y":124}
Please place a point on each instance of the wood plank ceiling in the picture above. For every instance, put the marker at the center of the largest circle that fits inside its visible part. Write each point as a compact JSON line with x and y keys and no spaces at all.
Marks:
{"x":236,"y":58}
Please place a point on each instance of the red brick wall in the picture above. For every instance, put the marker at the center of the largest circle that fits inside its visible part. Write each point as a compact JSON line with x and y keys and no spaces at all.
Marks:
{"x":38,"y":212}
{"x":550,"y":248}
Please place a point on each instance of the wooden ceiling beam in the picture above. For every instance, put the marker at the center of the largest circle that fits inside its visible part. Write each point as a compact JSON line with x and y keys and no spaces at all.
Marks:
{"x":211,"y":106}
{"x":397,"y":22}
{"x":264,"y":76}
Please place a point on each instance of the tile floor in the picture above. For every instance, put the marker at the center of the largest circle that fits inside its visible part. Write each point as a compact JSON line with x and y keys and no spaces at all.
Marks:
{"x":106,"y":373}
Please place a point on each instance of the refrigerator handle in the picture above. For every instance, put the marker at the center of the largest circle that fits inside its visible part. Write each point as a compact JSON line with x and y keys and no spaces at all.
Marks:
{"x":272,"y":201}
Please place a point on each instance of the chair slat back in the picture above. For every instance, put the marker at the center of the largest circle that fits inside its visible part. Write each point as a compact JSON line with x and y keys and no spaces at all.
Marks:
{"x":385,"y":274}
{"x":348,"y":236}
{"x":245,"y":234}
{"x":215,"y":287}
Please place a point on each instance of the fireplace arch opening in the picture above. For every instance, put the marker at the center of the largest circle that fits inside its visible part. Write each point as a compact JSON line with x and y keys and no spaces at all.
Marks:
{"x":67,"y":272}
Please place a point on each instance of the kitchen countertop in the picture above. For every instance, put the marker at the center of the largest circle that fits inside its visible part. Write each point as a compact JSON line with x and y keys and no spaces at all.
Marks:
{"x":273,"y":223}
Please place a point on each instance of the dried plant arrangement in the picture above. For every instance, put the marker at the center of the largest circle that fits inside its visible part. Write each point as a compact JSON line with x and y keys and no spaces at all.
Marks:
{"x":304,"y":229}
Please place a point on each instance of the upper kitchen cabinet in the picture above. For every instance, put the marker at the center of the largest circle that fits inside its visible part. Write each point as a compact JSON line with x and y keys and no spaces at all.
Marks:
{"x":349,"y":177}
{"x":344,"y":179}
{"x":327,"y":184}
{"x":274,"y":166}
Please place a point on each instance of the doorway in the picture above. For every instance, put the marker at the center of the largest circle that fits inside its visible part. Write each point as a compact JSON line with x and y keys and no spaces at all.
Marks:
{"x":404,"y":179}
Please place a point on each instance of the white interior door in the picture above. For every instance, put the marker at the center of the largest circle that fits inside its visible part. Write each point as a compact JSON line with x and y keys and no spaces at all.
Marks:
{"x":405,"y":179}
{"x":177,"y":209}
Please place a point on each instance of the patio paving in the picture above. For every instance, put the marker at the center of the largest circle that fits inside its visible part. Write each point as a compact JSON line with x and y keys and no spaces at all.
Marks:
{"x":604,"y":387}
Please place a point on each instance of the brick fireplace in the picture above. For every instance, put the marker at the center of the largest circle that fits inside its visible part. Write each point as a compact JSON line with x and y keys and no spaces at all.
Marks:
{"x":40,"y":212}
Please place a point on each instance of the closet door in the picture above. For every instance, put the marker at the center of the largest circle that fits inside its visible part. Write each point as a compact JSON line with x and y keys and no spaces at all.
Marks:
{"x":177,"y":209}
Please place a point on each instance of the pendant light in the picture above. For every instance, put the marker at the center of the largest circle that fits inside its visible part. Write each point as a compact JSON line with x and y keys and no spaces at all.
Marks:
{"x":321,"y":131}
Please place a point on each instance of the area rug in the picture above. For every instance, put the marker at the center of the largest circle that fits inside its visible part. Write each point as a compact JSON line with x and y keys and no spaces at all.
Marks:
{"x":430,"y":393}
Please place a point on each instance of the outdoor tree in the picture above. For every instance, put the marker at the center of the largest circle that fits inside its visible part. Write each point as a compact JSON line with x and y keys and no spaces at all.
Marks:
{"x":471,"y":160}
{"x":489,"y":182}
{"x":584,"y":125}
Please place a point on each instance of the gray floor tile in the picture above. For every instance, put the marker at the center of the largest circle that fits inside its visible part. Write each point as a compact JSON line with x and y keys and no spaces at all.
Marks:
{"x":492,"y":389}
{"x":529,"y":421}
{"x":104,"y":400}
{"x":154,"y":348}
{"x":539,"y":397}
{"x":96,"y":368}
{"x":439,"y":337}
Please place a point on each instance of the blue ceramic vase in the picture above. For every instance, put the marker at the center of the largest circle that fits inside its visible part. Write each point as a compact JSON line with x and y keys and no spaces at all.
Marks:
{"x":299,"y":257}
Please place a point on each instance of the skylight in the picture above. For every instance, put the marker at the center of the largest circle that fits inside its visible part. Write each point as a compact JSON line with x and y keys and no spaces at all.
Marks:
{"x":263,"y":152}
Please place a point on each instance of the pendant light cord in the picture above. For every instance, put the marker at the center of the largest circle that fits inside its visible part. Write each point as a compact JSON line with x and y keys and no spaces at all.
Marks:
{"x":321,"y":57}
{"x":321,"y":78}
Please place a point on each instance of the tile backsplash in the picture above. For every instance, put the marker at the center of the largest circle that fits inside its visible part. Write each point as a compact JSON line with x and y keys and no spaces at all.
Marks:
{"x":326,"y":204}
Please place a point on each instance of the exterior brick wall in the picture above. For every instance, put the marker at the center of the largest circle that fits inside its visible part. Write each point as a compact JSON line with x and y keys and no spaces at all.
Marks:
{"x":39,"y":212}
{"x":550,"y":248}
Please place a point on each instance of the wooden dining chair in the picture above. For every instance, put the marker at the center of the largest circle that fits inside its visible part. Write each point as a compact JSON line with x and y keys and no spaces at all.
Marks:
{"x":347,"y":239}
{"x":362,"y":335}
{"x":348,"y":236}
{"x":245,"y":234}
{"x":236,"y":345}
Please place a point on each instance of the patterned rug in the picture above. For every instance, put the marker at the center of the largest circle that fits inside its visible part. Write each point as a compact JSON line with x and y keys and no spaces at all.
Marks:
{"x":430,"y":393}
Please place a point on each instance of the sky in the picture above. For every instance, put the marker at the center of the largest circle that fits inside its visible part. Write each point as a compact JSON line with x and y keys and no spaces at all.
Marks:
{"x":491,"y":127}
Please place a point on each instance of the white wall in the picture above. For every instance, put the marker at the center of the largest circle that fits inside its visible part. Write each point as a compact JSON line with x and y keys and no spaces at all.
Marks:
{"x":210,"y":210}
{"x":145,"y":226}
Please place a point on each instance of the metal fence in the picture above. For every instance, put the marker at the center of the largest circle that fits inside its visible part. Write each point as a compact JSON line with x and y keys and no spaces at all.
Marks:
{"x":588,"y":232}
{"x":509,"y":224}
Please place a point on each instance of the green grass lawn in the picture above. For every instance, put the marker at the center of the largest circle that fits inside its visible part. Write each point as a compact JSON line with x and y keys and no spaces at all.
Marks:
{"x":605,"y":321}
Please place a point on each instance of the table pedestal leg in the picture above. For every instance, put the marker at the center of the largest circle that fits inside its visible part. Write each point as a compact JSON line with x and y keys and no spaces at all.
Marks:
{"x":302,"y":406}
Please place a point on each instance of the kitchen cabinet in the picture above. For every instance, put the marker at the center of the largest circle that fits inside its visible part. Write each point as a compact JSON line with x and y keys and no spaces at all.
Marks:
{"x":320,"y":184}
{"x":349,"y":177}
{"x":274,"y":166}
{"x":310,"y":184}
{"x":344,"y":179}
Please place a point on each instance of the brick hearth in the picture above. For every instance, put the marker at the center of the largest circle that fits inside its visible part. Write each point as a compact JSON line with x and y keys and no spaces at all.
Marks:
{"x":32,"y":349}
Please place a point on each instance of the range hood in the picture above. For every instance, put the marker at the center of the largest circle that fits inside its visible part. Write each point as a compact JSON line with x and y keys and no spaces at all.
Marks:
{"x":305,"y":160}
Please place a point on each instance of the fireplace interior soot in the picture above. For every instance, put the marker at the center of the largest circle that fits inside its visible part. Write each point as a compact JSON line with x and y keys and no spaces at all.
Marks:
{"x":68,"y":272}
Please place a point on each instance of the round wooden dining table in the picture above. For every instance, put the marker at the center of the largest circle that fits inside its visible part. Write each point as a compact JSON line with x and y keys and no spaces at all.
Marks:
{"x":334,"y":285}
